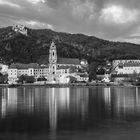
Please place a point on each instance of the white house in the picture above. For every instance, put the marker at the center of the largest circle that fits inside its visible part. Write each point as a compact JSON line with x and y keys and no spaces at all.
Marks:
{"x":126,"y":66}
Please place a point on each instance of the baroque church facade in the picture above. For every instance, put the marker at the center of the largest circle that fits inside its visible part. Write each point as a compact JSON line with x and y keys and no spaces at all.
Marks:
{"x":60,"y":68}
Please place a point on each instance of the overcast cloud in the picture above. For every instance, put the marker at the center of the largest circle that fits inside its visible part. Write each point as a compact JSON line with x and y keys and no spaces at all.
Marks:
{"x":108,"y":19}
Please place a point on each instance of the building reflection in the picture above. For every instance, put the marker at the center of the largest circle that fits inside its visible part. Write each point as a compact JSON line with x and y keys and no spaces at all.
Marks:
{"x":11,"y":100}
{"x":137,"y":96}
{"x":114,"y":102}
{"x":107,"y":96}
{"x":126,"y":101}
{"x":30,"y":100}
{"x":78,"y":104}
{"x":55,"y":103}
{"x":3,"y":103}
{"x":52,"y":111}
{"x":63,"y":97}
{"x":107,"y":100}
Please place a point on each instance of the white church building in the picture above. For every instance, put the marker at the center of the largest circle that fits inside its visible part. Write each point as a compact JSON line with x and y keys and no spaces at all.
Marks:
{"x":58,"y":70}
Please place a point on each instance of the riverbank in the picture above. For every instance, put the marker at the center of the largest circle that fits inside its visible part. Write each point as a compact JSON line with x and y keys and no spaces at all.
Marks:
{"x":68,"y":85}
{"x":43,"y":85}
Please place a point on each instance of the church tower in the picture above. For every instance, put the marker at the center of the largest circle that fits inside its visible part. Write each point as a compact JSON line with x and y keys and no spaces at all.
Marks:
{"x":52,"y":59}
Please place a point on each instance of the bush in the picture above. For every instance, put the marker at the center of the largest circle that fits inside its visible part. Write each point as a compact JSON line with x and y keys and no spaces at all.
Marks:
{"x":3,"y":79}
{"x":26,"y":79}
{"x":41,"y":79}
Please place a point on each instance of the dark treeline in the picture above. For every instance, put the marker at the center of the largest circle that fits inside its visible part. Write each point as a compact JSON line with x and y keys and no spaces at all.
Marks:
{"x":19,"y":48}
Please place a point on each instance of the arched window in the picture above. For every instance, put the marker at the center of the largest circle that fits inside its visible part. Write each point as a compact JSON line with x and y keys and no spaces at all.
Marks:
{"x":53,"y":53}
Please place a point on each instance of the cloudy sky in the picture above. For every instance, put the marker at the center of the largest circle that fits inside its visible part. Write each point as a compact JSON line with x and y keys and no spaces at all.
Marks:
{"x":108,"y":19}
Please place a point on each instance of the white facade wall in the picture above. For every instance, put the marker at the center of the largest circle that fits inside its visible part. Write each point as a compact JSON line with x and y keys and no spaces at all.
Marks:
{"x":62,"y":71}
{"x":14,"y":74}
{"x":46,"y":72}
{"x":128,"y":70}
{"x":22,"y":72}
{"x":64,"y":79}
{"x":116,"y":62}
{"x":38,"y":73}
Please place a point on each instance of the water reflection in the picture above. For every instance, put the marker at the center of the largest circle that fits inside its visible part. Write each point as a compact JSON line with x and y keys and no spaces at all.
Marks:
{"x":53,"y":110}
{"x":126,"y":102}
{"x":68,"y":108}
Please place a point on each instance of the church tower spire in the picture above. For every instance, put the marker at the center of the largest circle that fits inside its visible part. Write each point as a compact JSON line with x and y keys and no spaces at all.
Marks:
{"x":52,"y":58}
{"x":52,"y":53}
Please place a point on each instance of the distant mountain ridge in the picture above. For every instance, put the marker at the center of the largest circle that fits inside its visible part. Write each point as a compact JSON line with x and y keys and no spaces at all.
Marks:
{"x":16,"y":47}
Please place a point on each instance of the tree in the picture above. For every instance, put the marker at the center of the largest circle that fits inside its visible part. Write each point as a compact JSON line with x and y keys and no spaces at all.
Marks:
{"x":101,"y":71}
{"x":41,"y":79}
{"x":30,"y":79}
{"x":26,"y":79}
{"x":72,"y":79}
{"x":134,"y":76}
{"x":92,"y":70}
{"x":73,"y":69}
{"x":3,"y":78}
{"x":21,"y":79}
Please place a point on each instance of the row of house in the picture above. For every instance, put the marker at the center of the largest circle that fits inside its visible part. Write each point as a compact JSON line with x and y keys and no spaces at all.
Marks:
{"x":59,"y":70}
{"x":119,"y":70}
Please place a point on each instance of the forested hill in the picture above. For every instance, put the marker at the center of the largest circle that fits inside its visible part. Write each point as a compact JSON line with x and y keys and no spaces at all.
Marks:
{"x":16,"y":47}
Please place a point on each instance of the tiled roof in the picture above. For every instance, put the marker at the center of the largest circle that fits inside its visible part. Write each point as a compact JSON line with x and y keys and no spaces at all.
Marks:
{"x":68,"y":61}
{"x":67,"y":67}
{"x":63,"y":67}
{"x":74,"y":61}
{"x":129,"y":64}
{"x":24,"y":66}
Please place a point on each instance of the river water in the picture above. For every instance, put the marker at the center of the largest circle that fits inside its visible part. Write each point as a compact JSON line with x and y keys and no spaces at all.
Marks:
{"x":98,"y":113}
